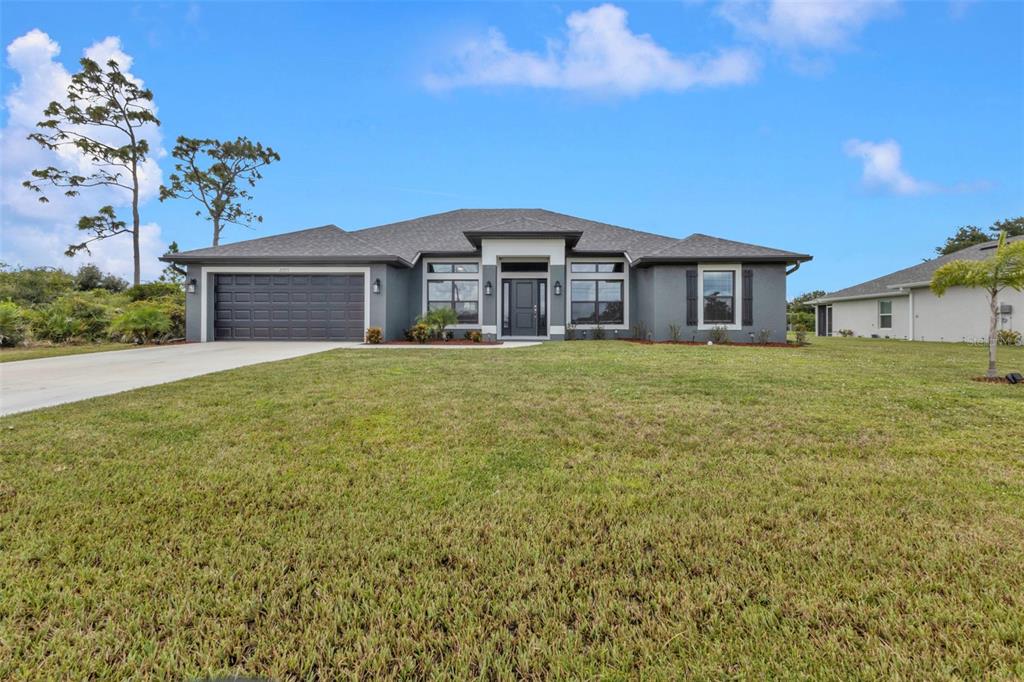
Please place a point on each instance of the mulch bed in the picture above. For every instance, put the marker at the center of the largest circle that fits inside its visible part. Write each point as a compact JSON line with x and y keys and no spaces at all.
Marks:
{"x":453,"y":342}
{"x":774,"y":344}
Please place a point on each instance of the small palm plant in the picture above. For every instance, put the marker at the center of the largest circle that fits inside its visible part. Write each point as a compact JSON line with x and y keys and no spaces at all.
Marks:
{"x":141,"y":324}
{"x":439,"y":320}
{"x":1003,"y":270}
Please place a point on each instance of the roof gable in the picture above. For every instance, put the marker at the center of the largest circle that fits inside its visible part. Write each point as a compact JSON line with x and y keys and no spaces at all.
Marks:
{"x":915,"y":274}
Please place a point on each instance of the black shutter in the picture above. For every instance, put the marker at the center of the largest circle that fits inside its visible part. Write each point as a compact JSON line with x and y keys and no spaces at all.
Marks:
{"x":748,"y":298}
{"x":691,"y":298}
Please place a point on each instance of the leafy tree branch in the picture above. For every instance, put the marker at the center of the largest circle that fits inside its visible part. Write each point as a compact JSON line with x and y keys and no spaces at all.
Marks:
{"x":218,"y":175}
{"x":98,"y":100}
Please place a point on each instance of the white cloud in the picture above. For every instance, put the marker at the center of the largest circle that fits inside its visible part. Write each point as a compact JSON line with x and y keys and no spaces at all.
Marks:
{"x":958,"y":8}
{"x":34,"y":233}
{"x":816,"y":24}
{"x":883,"y":167}
{"x":600,"y":54}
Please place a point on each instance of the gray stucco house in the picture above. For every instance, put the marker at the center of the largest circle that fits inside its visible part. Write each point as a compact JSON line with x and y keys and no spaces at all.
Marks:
{"x":510,"y":273}
{"x":901,"y":305}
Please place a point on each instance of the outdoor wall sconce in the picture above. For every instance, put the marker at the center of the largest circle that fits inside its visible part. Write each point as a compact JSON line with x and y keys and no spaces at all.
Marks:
{"x":191,"y":288}
{"x":376,"y":286}
{"x":558,"y":288}
{"x":488,"y":289}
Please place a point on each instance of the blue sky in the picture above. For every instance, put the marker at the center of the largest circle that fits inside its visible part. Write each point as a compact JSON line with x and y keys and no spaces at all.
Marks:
{"x":860,"y":133}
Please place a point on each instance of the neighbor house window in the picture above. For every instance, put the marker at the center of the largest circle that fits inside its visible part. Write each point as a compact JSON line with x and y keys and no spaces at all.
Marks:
{"x":596,"y":301}
{"x":596,"y":267}
{"x":461,"y":295}
{"x":453,"y":268}
{"x":885,"y":314}
{"x":719,"y":297}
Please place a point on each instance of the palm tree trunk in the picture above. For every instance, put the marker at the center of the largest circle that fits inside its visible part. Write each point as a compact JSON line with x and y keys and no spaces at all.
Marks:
{"x":992,"y":335}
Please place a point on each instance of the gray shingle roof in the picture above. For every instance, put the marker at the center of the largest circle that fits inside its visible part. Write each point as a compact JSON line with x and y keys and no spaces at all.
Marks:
{"x":315,"y":243}
{"x":703,"y":246}
{"x":446,"y":233}
{"x":922,"y":272}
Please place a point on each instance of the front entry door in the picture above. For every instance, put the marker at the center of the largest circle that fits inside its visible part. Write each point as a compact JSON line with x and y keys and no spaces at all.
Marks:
{"x":523,"y":307}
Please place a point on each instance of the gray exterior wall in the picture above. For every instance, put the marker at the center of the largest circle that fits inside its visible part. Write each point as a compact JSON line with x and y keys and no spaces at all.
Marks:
{"x":193,"y":306}
{"x":641,"y":299}
{"x":657,"y":299}
{"x":489,"y":304}
{"x":396,"y":293}
{"x":556,"y":316}
{"x":660,"y":300}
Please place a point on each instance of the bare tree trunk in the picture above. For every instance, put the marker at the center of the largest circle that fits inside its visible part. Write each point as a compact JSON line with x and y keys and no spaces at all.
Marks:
{"x":992,"y":334}
{"x":216,"y":231}
{"x":137,"y":276}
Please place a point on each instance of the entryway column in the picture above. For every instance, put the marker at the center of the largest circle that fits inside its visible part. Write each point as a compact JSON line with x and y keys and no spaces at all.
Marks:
{"x":489,"y":303}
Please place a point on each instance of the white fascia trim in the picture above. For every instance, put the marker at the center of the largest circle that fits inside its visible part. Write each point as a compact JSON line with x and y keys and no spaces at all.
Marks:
{"x":737,"y":269}
{"x":206,"y":271}
{"x":861,"y":297}
{"x":470,"y":276}
{"x":624,"y":276}
{"x":909,"y":285}
{"x":493,"y":249}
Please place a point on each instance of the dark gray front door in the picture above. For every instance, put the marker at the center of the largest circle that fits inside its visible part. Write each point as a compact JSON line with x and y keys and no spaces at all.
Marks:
{"x":258,"y":307}
{"x":523,"y":307}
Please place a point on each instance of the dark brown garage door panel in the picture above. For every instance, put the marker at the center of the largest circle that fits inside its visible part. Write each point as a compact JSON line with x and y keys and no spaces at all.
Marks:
{"x":284,"y":307}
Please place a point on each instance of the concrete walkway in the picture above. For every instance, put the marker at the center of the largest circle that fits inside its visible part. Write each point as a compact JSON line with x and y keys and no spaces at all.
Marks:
{"x":31,"y":384}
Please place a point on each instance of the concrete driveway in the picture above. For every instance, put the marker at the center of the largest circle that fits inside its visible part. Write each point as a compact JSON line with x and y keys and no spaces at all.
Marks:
{"x":31,"y":384}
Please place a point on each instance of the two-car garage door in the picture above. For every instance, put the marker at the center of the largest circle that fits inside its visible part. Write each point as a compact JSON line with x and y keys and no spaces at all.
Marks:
{"x":253,"y":307}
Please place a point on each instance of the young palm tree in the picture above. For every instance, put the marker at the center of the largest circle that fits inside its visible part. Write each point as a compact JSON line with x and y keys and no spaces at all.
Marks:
{"x":1004,"y":269}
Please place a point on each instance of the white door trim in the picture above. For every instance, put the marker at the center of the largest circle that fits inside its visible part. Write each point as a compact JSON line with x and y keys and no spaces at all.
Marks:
{"x":209,"y":286}
{"x":499,"y":298}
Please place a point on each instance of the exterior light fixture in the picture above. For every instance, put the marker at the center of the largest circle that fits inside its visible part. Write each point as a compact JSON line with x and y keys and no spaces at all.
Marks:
{"x":488,"y":289}
{"x":558,"y":288}
{"x":191,"y":287}
{"x":376,"y":286}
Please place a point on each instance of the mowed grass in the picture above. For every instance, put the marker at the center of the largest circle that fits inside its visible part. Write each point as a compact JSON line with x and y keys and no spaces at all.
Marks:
{"x":852,"y":509}
{"x":36,"y":352}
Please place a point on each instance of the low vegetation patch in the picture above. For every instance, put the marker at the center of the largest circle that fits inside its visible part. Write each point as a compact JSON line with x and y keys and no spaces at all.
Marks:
{"x":47,"y":306}
{"x":574,"y":511}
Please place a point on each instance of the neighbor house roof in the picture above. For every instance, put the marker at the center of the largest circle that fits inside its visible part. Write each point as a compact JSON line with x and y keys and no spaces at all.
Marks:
{"x":894,"y":283}
{"x":459,"y":232}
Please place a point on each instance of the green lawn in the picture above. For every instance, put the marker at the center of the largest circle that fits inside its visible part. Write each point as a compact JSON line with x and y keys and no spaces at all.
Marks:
{"x":34,"y":352}
{"x":852,"y":509}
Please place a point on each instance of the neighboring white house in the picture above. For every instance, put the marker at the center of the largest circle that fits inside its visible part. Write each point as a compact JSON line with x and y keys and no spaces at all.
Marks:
{"x":902,"y":306}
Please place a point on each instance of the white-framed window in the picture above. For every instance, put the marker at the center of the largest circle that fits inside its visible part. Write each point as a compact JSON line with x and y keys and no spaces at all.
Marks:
{"x":454,"y":283}
{"x":885,"y":314}
{"x":719,"y":299}
{"x":720,"y":295}
{"x":453,"y":268}
{"x":597,"y":301}
{"x":598,"y":293}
